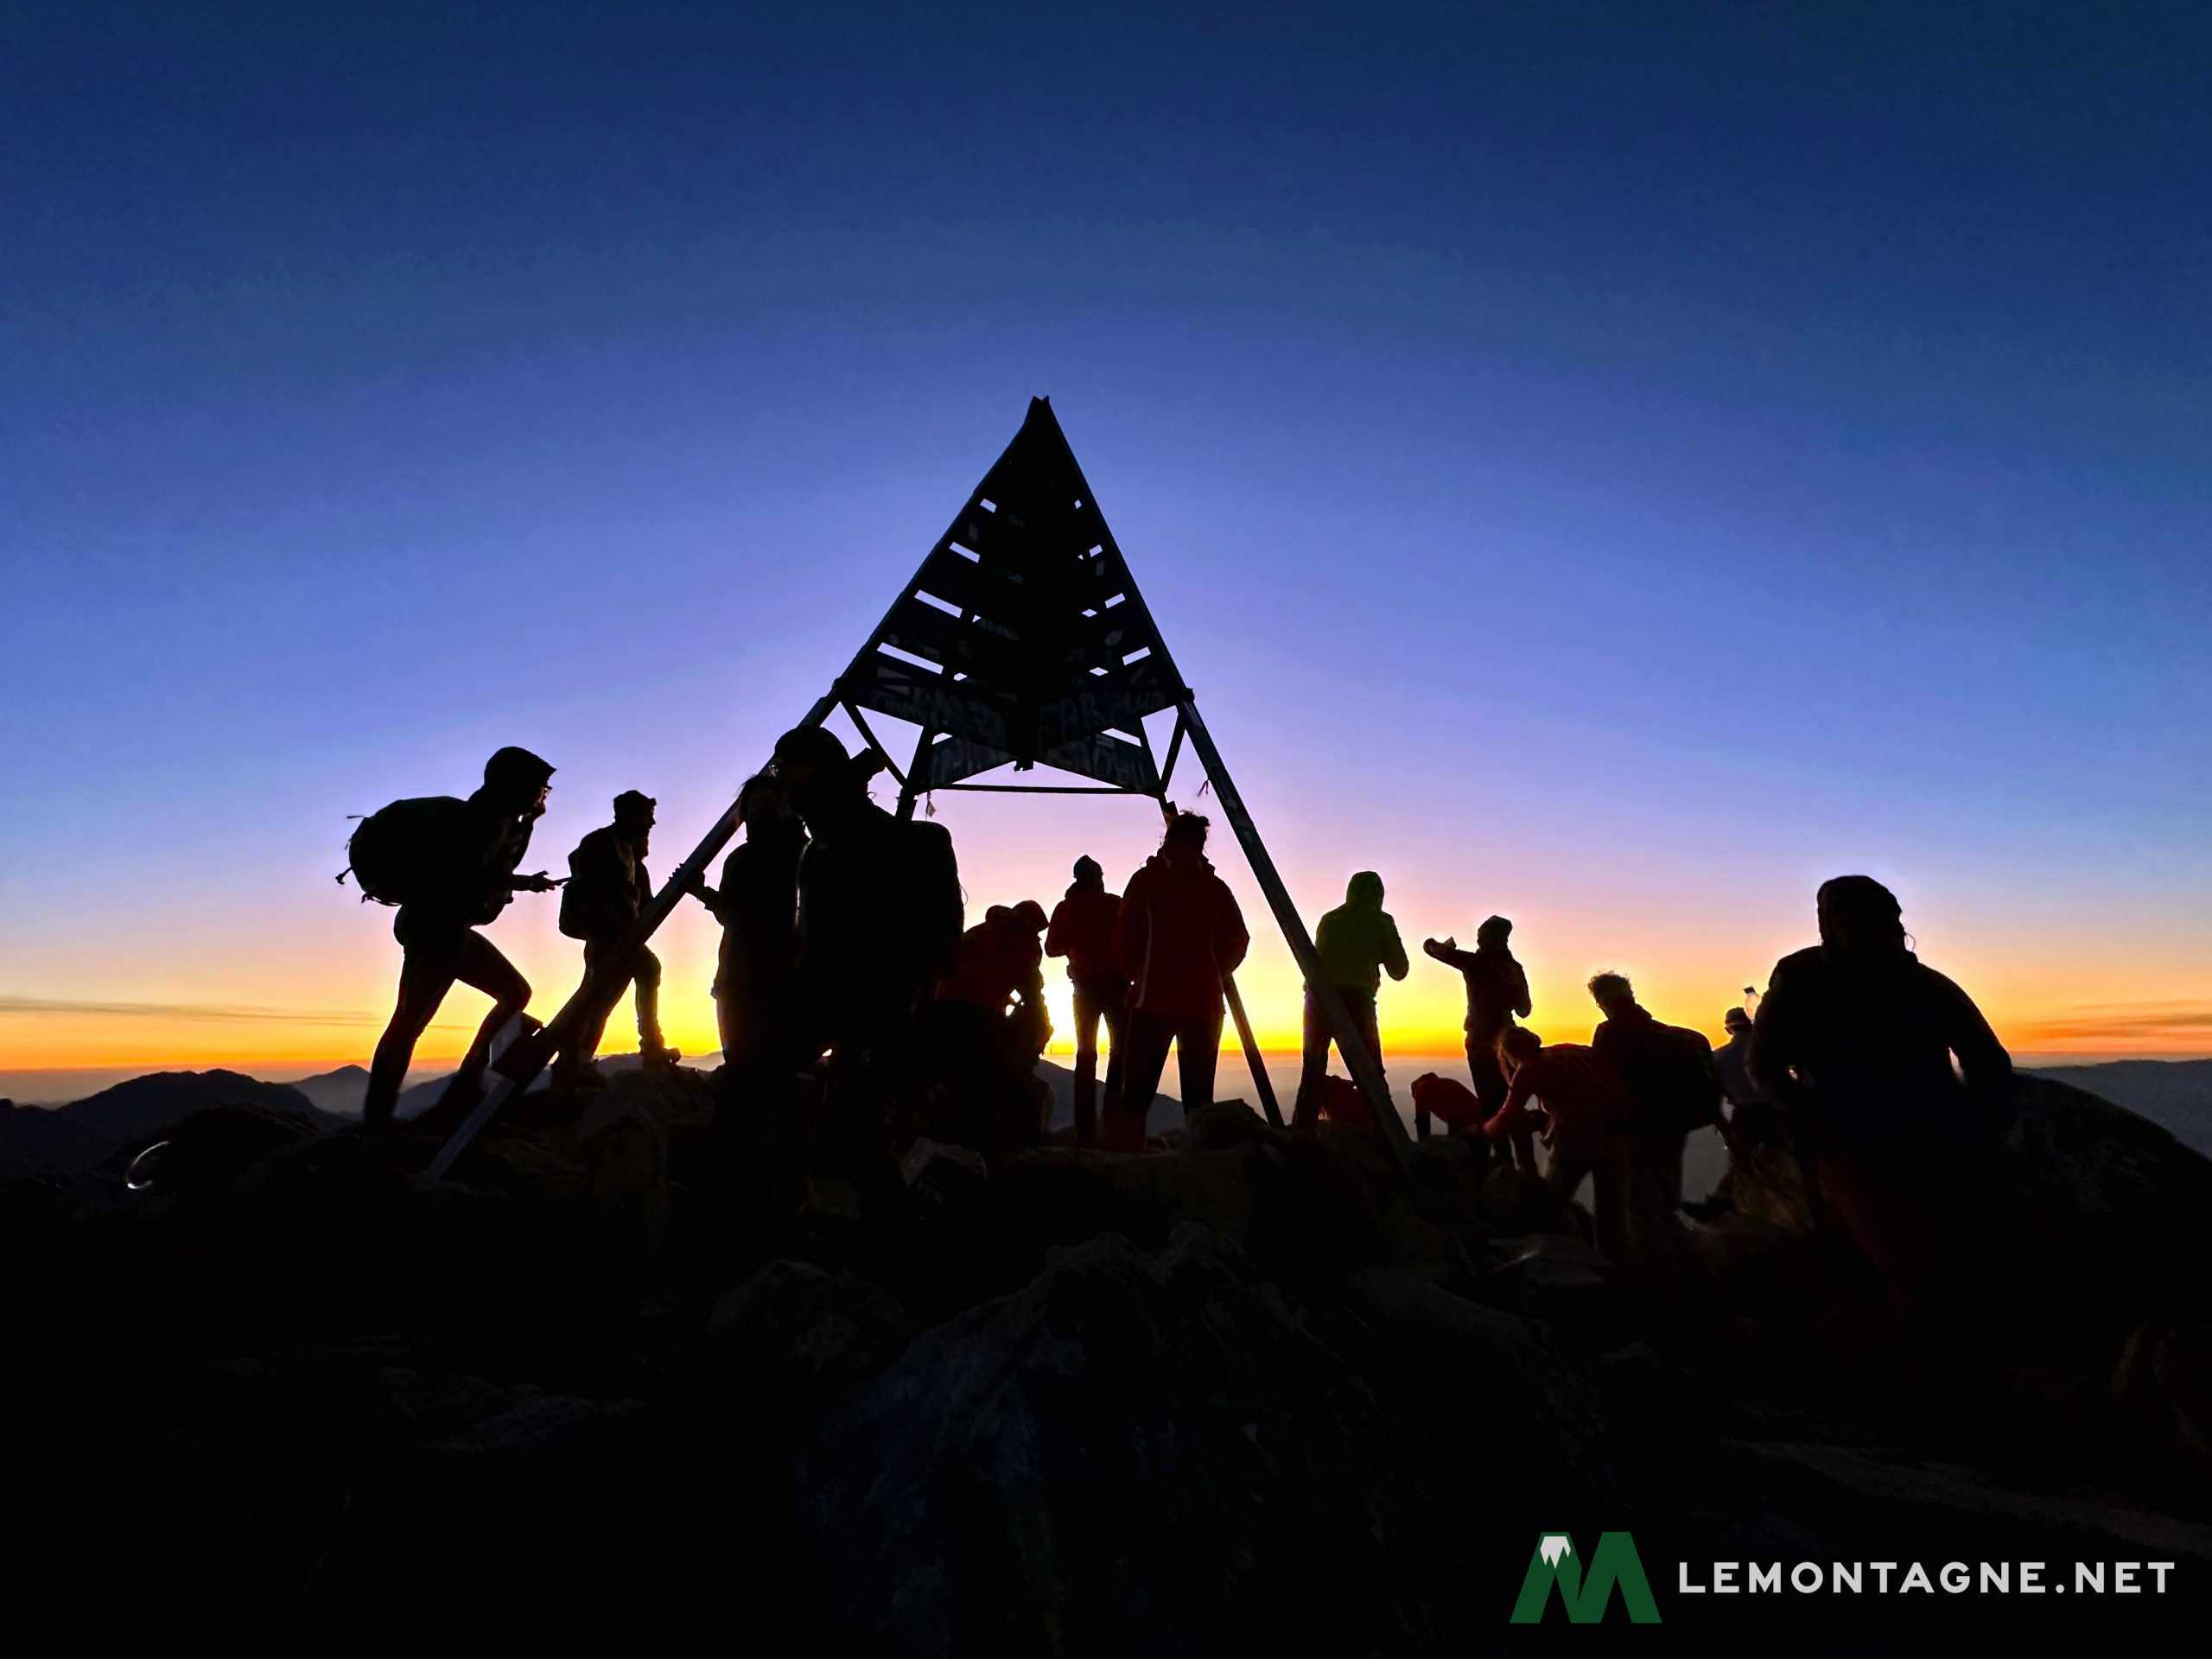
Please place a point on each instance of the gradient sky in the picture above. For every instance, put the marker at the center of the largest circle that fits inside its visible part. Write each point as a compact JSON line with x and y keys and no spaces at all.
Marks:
{"x":1616,"y":467}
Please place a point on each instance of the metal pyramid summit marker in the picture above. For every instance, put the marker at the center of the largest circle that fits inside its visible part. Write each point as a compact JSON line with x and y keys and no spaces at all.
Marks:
{"x":1022,"y":639}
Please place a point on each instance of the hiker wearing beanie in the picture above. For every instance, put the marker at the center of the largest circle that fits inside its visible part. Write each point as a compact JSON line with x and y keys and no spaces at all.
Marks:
{"x":1855,"y":1041}
{"x":609,"y":890}
{"x":1497,"y":989}
{"x":1082,"y":931}
{"x":1178,"y":931}
{"x":459,"y":867}
{"x":1357,"y":943}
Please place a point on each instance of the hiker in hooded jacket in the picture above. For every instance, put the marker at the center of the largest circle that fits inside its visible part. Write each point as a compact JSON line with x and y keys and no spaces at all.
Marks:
{"x":608,"y":889}
{"x":1082,"y":929}
{"x":1357,"y":943}
{"x":1178,"y":931}
{"x":450,"y":867}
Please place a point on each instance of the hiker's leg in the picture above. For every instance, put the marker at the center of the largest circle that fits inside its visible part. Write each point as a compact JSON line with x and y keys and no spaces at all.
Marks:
{"x":1316,"y":1067}
{"x":646,"y":971}
{"x":1609,"y":1175}
{"x":1149,"y":1036}
{"x":1198,"y":1053}
{"x":426,"y":974}
{"x":1087,"y":1013}
{"x":1117,"y":1033}
{"x":591,"y":1026}
{"x":480,"y":966}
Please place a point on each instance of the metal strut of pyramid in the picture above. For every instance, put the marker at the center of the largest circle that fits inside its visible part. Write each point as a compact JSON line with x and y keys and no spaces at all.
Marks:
{"x":1021,"y":639}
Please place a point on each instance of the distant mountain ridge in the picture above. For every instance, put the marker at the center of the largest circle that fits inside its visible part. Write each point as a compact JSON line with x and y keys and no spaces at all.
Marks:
{"x":83,"y":1135}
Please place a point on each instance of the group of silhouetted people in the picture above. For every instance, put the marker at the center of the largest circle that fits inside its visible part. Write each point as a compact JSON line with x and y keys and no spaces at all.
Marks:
{"x":846,"y":977}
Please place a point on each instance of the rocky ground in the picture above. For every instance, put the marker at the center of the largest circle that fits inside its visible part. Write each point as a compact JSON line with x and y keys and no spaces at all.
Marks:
{"x":1247,"y":1391}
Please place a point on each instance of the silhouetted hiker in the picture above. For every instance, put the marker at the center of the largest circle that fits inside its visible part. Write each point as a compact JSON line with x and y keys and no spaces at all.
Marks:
{"x":1497,"y":989}
{"x":1854,"y":1040}
{"x":756,"y":969}
{"x":1450,"y":1103}
{"x":458,"y":873}
{"x":1586,"y":1114}
{"x":1179,"y":931}
{"x":758,"y":1134}
{"x":988,"y":1027}
{"x":1749,"y":1119}
{"x":1082,"y":932}
{"x":1000,"y":968}
{"x":1669,"y":1076}
{"x":880,"y":910}
{"x":1355,"y":942}
{"x":609,"y":890}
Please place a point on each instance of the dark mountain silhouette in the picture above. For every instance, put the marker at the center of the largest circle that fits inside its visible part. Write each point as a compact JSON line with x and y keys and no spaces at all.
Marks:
{"x":83,"y":1135}
{"x":2175,"y":1094}
{"x":339,"y":1091}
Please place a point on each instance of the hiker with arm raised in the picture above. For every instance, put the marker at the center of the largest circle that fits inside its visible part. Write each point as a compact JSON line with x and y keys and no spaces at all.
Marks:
{"x":1497,"y":990}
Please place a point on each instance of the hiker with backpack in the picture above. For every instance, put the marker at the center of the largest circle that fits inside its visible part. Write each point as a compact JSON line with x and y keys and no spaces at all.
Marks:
{"x":450,"y":865}
{"x":609,"y":890}
{"x":1673,"y":1086}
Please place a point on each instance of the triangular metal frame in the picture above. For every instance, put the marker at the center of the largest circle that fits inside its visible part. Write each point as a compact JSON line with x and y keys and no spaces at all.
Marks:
{"x":1021,"y":639}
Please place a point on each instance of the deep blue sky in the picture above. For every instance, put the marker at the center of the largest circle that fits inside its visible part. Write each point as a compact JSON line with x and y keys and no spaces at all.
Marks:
{"x":1618,"y":466}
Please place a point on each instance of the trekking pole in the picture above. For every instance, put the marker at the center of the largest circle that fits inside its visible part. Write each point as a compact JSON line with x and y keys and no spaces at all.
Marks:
{"x":518,"y":1068}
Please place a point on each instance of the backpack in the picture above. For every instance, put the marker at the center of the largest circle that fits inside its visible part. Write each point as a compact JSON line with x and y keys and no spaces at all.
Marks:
{"x":405,"y":851}
{"x":1693,"y":1081}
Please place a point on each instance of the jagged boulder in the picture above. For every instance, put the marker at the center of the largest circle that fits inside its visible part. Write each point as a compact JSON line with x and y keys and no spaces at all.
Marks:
{"x":795,"y":1334}
{"x":1134,"y":1452}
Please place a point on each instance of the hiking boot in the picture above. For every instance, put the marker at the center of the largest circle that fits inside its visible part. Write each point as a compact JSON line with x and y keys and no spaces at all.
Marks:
{"x":658,"y":1054}
{"x":578,"y":1075}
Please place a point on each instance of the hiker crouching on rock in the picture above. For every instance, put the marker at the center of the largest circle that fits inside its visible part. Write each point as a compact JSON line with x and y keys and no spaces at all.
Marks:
{"x":1356,"y":942}
{"x":454,"y":873}
{"x":609,"y":890}
{"x":1082,"y":931}
{"x":1179,"y":931}
{"x":1585,"y":1124}
{"x":988,"y":1027}
{"x":1854,"y":1040}
{"x":1497,"y":989}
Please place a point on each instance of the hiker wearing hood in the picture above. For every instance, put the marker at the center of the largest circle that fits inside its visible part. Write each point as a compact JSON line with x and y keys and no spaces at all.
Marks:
{"x":1356,"y":942}
{"x":1670,"y":1077}
{"x":468,"y":878}
{"x":1497,"y":989}
{"x":1855,"y":1041}
{"x":1082,"y":931}
{"x":1179,"y":930}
